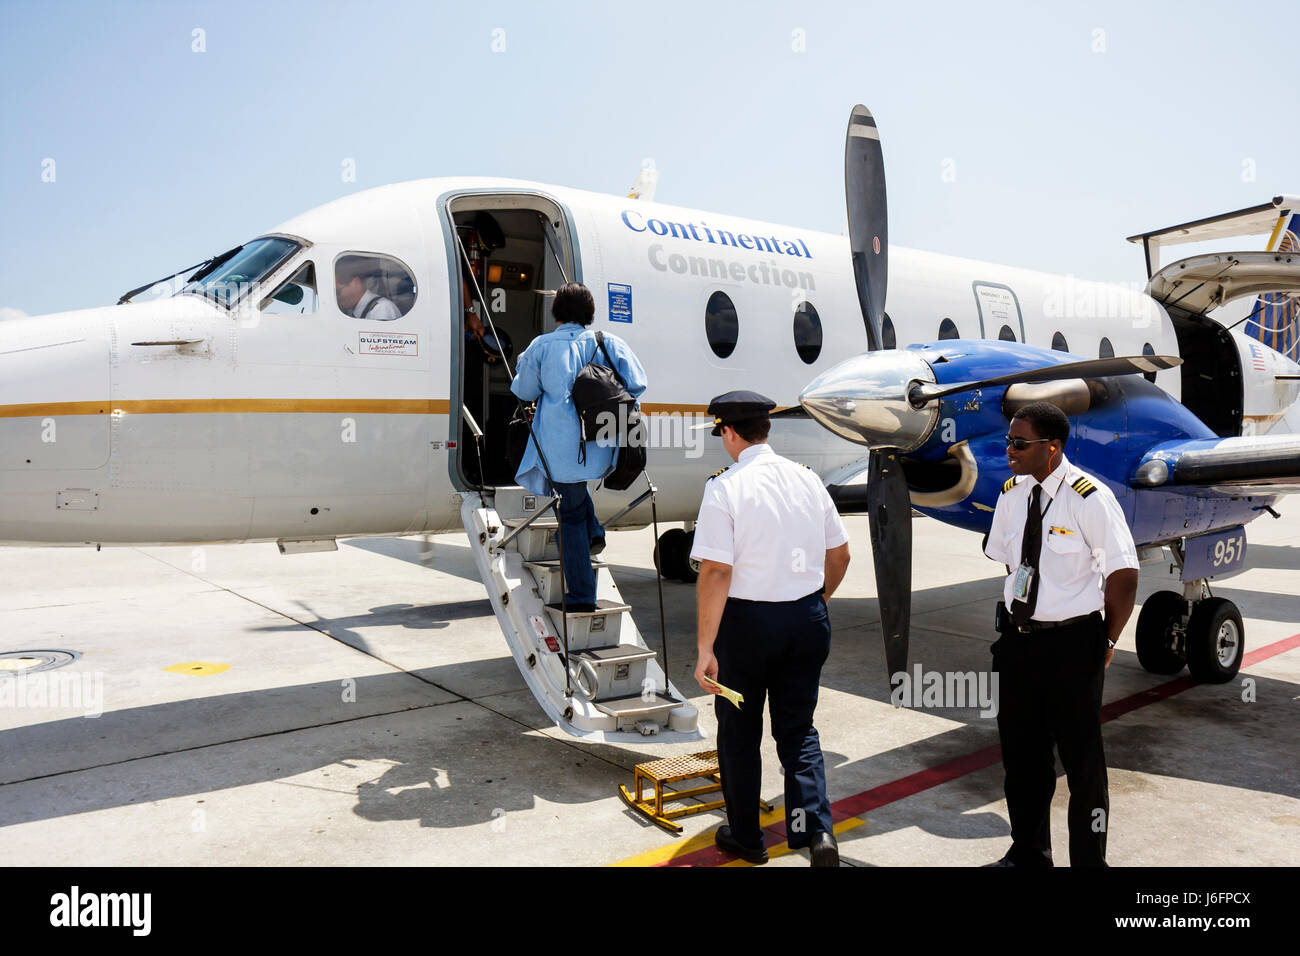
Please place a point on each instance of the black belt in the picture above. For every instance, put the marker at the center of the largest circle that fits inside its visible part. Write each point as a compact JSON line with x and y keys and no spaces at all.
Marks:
{"x":1034,"y":627}
{"x":798,"y":600}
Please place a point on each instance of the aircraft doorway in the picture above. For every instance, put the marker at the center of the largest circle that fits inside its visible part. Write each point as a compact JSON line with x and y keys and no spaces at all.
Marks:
{"x":512,"y":251}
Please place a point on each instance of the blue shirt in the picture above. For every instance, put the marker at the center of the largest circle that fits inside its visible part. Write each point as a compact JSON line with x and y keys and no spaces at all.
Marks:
{"x":547,"y":369}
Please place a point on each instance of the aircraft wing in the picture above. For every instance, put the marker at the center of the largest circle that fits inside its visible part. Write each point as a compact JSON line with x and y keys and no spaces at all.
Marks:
{"x":1248,"y":465}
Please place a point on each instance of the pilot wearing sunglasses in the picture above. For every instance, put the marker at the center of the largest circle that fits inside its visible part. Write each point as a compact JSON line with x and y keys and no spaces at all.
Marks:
{"x":1070,"y":589}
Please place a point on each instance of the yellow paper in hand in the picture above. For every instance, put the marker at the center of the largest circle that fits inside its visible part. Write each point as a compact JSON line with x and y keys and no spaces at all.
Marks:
{"x":736,"y":698}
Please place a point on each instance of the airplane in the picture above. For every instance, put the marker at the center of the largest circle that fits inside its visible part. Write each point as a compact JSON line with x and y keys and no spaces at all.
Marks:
{"x":934,"y":416}
{"x":240,"y":401}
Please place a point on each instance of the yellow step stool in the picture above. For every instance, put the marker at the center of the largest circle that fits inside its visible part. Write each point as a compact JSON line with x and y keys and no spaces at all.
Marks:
{"x":675,"y":770}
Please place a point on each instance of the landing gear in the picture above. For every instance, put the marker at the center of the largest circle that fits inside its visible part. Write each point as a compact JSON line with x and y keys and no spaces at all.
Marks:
{"x":1195,"y":628}
{"x":1161,"y":632}
{"x":673,"y":556}
{"x":1214,"y":641}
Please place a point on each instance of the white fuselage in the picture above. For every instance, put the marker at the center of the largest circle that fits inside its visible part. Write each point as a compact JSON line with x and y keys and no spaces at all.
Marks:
{"x":178,"y":420}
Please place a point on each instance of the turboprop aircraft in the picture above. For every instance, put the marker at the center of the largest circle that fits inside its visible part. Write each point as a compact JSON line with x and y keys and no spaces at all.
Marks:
{"x":935,"y":415}
{"x":323,"y":380}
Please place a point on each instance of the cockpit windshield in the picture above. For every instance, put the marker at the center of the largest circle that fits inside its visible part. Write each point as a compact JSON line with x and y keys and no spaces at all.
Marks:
{"x":229,"y":277}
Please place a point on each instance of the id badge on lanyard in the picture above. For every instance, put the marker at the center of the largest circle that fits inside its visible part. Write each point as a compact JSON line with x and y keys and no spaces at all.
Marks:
{"x":1021,"y":585}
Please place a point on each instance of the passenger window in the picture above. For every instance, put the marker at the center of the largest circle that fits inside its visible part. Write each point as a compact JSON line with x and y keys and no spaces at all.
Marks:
{"x":373,"y":287}
{"x":295,"y":296}
{"x":887,"y":333}
{"x":721,"y":325}
{"x":1107,"y":350}
{"x":948,"y":330}
{"x":1059,"y":343}
{"x":1006,"y":335}
{"x":807,"y":333}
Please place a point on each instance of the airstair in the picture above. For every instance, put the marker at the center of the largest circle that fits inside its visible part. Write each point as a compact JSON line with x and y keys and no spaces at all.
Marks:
{"x":595,"y":678}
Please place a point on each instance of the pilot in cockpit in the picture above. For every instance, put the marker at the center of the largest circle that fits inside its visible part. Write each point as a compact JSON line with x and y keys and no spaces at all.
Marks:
{"x":355,"y":299}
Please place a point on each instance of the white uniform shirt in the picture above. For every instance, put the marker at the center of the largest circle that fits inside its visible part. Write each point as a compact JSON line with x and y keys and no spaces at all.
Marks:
{"x":1085,"y":539}
{"x":772,"y":520}
{"x":384,"y":310}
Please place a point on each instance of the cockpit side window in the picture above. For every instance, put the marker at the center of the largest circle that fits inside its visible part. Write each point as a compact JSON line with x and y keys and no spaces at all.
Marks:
{"x":374,"y":287}
{"x":295,"y":296}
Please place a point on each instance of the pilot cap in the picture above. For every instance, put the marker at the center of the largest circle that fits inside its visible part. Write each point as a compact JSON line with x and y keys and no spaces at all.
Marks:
{"x":733,"y":407}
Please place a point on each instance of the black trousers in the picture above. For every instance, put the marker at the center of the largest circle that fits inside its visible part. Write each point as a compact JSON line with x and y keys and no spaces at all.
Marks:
{"x":1049,"y":692}
{"x":773,"y":649}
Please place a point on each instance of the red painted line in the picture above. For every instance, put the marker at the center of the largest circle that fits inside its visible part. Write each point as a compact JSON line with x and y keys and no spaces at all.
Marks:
{"x":950,"y":770}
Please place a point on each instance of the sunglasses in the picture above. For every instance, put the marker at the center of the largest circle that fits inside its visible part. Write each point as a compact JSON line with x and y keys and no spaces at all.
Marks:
{"x":1020,"y":444}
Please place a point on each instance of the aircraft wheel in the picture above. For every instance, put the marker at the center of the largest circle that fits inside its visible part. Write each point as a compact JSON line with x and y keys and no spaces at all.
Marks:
{"x":671,"y":553}
{"x":1157,"y":643}
{"x":691,"y":569}
{"x":1215,"y":641}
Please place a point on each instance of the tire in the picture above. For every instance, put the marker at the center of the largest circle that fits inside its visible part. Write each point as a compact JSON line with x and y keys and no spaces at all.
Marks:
{"x":1156,"y":642}
{"x":1215,"y":641}
{"x":670,"y":554}
{"x":690,"y":571}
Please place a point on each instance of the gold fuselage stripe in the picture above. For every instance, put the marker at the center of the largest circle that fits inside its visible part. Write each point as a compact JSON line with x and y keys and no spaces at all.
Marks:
{"x":234,"y":406}
{"x":228,"y":406}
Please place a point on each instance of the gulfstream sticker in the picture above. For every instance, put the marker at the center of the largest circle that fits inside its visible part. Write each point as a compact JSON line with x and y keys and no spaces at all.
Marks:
{"x":389,"y":343}
{"x":620,"y":302}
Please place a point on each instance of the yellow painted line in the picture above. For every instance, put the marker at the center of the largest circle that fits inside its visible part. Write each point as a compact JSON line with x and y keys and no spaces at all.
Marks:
{"x":228,"y":406}
{"x":698,"y":842}
{"x":666,"y":854}
{"x":781,"y":849}
{"x":198,"y":668}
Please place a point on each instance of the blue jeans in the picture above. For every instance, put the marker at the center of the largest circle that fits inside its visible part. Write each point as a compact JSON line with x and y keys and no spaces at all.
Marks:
{"x":578,"y":527}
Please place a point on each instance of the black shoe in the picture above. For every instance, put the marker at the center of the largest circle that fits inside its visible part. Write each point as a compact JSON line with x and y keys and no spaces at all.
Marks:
{"x":1005,"y":861}
{"x":824,"y":850}
{"x":724,"y":839}
{"x":597,"y":545}
{"x":574,"y":607}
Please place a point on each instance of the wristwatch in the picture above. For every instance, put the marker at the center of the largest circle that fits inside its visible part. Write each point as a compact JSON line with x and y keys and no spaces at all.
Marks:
{"x":1111,"y":643}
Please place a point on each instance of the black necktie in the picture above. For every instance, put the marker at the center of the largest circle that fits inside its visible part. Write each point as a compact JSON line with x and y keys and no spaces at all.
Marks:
{"x":1031,"y":546}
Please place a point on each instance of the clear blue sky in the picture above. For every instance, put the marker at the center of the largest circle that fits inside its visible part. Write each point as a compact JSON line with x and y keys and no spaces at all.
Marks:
{"x":164,"y":155}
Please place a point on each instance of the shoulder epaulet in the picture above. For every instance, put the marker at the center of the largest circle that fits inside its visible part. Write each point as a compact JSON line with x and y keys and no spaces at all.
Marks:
{"x":1008,"y":484}
{"x":716,"y":473}
{"x":1084,"y":487}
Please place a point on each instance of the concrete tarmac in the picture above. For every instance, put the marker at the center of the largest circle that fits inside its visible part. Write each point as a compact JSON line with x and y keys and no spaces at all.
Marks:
{"x":361,"y":707}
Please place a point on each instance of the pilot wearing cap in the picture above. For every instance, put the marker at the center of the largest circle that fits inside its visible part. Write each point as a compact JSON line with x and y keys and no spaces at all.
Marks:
{"x":1070,"y":557}
{"x":772,"y":550}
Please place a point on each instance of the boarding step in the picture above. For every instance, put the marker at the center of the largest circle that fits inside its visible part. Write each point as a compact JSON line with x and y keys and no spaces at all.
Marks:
{"x":547,"y":576}
{"x":594,"y":691}
{"x":615,"y":671}
{"x":537,"y":542}
{"x":639,"y":713}
{"x":598,"y":628}
{"x":515,"y":505}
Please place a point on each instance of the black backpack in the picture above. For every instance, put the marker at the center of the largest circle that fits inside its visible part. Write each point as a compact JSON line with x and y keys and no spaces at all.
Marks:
{"x":601,"y":398}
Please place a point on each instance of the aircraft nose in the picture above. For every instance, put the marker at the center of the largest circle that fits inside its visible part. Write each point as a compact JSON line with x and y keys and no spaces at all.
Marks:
{"x":864,"y":399}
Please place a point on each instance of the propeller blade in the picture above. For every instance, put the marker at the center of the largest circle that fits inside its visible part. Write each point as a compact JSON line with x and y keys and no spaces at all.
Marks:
{"x":891,"y":550}
{"x":922,"y":393}
{"x":864,"y":188}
